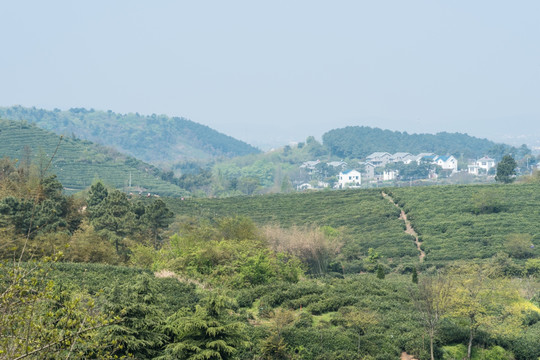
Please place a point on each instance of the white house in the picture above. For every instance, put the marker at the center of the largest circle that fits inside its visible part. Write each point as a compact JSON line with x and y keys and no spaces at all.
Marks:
{"x":349,"y":178}
{"x":389,"y":175}
{"x":447,"y":162}
{"x":482,"y":165}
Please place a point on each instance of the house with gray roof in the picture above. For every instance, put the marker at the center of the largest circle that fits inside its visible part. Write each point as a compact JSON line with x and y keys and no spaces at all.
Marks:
{"x":399,"y":157}
{"x":379,"y":158}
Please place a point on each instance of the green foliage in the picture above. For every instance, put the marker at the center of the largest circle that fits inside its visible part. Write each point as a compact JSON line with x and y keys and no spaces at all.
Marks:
{"x":506,"y":170}
{"x":414,"y":278}
{"x":527,"y":346}
{"x":44,"y":210}
{"x":154,"y":138}
{"x":360,"y":141}
{"x":97,"y":193}
{"x":237,"y":227}
{"x":113,"y":218}
{"x":487,"y":201}
{"x":413,"y":170}
{"x":458,"y":352}
{"x":156,"y":217}
{"x":363,"y":220}
{"x":485,"y":303}
{"x":470,"y":222}
{"x":380,"y":272}
{"x":138,"y":334}
{"x":87,"y":246}
{"x":519,"y":246}
{"x":256,"y":250}
{"x":209,"y":332}
{"x":532,"y":267}
{"x":78,"y":163}
{"x":230,"y":252}
{"x":38,"y":320}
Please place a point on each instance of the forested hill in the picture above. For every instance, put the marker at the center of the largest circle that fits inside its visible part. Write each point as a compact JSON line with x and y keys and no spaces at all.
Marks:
{"x":155,"y":139}
{"x":360,"y":141}
{"x":78,"y":163}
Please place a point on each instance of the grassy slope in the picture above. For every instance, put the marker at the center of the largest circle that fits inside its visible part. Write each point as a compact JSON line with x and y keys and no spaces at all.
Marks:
{"x":78,"y":163}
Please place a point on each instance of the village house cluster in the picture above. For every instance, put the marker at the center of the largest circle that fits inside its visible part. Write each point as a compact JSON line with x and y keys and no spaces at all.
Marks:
{"x":374,"y":168}
{"x":351,"y":178}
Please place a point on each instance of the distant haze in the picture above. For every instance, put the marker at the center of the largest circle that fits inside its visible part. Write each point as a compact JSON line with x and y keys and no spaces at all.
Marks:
{"x":273,"y":72}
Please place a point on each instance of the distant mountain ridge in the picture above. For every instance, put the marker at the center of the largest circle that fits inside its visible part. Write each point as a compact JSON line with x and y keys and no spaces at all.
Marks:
{"x":157,"y":139}
{"x":360,"y":141}
{"x":77,"y":163}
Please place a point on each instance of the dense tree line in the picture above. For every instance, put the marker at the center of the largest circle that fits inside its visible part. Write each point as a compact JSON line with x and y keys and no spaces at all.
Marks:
{"x":360,"y":141}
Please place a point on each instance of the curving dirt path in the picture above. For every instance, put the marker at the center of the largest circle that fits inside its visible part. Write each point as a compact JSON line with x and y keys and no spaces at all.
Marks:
{"x":408,"y":227}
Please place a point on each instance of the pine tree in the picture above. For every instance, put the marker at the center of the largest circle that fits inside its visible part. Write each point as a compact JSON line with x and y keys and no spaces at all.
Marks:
{"x":138,"y":332}
{"x":208,"y":333}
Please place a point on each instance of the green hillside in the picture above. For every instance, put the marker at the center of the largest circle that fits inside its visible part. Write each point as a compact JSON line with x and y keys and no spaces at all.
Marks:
{"x":364,"y":219}
{"x":325,"y":275}
{"x":473,"y":222}
{"x":450,"y":220}
{"x":78,"y":163}
{"x":360,"y":141}
{"x":155,"y":139}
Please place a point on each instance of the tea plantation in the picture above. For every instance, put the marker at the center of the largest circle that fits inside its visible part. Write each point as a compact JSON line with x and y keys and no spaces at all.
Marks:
{"x":78,"y":163}
{"x":474,"y":222}
{"x":453,"y":222}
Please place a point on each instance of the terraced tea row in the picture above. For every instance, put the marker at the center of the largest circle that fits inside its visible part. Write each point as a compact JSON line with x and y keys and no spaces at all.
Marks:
{"x":78,"y":163}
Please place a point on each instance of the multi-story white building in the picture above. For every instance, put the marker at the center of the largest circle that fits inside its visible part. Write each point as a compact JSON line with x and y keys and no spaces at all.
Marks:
{"x":447,"y":162}
{"x":349,"y":178}
{"x":481,"y":166}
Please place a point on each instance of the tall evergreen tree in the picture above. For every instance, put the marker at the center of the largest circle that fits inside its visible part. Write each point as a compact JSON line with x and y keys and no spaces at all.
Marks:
{"x":156,"y":216}
{"x":114,"y":216}
{"x":209,"y":333}
{"x":139,"y":332}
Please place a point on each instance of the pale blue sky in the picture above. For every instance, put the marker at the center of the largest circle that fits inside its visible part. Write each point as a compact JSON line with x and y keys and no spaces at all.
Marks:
{"x":278,"y":71}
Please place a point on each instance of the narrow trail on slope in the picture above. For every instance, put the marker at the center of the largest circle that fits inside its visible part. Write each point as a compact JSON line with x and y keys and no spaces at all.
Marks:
{"x":408,"y":227}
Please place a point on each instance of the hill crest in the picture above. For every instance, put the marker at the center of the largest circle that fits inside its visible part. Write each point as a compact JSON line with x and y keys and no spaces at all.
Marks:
{"x":157,"y":139}
{"x":360,"y":141}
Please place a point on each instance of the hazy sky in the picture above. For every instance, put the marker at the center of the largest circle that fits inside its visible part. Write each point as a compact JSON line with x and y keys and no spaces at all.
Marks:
{"x":278,"y":71}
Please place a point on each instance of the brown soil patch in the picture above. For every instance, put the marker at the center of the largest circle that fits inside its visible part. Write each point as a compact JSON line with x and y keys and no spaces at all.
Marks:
{"x":405,"y":356}
{"x":170,"y":274}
